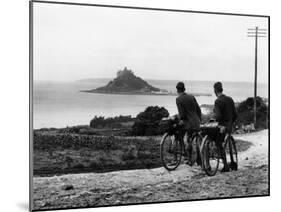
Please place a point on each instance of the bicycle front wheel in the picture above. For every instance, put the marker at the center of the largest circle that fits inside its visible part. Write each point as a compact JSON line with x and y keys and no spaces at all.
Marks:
{"x":210,"y":156}
{"x":170,"y":152}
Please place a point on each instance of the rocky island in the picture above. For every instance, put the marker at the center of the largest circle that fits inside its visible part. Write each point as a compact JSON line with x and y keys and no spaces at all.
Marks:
{"x":126,"y":82}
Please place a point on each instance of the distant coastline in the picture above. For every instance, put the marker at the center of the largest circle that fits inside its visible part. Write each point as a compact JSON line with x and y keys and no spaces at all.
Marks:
{"x":141,"y":93}
{"x":49,"y":112}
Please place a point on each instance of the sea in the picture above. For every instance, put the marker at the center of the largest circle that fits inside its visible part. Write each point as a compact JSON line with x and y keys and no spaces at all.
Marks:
{"x":62,"y":104}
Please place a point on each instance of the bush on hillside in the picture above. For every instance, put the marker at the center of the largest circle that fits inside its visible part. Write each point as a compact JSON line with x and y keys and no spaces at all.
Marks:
{"x":147,"y":122}
{"x":245,"y":111}
{"x":111,"y":122}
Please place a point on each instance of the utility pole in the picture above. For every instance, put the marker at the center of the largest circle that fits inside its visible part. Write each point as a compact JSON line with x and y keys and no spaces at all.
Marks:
{"x":256,"y":33}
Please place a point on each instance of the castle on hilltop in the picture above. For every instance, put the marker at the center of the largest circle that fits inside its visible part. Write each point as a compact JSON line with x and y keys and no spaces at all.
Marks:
{"x":124,"y":72}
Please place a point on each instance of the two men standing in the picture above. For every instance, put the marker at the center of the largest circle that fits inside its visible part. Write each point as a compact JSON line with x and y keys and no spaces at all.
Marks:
{"x":224,"y":112}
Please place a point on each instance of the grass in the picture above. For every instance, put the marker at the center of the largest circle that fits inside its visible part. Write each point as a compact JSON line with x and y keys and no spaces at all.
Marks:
{"x":56,"y":153}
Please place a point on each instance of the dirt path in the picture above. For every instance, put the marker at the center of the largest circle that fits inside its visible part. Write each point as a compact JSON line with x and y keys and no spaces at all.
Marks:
{"x":257,"y":155}
{"x":150,"y":185}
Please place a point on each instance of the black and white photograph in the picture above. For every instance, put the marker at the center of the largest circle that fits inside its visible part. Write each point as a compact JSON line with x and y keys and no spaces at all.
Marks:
{"x":133,"y":105}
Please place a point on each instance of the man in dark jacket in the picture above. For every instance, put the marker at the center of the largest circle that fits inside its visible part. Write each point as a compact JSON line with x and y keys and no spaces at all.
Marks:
{"x":225,"y":115}
{"x":188,"y":108}
{"x":189,"y":114}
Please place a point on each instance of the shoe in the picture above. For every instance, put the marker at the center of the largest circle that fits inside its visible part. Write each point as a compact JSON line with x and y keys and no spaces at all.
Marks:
{"x":209,"y":169}
{"x":233,"y":166}
{"x":198,"y":161}
{"x":188,"y":162}
{"x":225,"y":169}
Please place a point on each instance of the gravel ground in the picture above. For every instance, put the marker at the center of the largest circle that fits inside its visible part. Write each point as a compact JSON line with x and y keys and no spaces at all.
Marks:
{"x":157,"y":185}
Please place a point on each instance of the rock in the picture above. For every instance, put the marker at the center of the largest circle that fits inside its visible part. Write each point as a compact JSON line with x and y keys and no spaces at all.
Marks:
{"x":64,"y":179}
{"x":85,"y":194}
{"x":67,"y":187}
{"x":117,"y":202}
{"x":43,"y":204}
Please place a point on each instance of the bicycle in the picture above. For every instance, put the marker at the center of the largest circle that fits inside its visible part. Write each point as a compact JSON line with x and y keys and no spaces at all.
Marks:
{"x":172,"y":146}
{"x":210,"y":153}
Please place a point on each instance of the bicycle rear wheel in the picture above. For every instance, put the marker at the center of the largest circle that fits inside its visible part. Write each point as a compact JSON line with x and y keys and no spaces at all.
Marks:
{"x":170,"y":152}
{"x":231,"y":152}
{"x":210,"y":156}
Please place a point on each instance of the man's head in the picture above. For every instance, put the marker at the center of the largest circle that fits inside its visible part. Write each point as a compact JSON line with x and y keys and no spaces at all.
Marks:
{"x":180,"y":87}
{"x":218,"y":88}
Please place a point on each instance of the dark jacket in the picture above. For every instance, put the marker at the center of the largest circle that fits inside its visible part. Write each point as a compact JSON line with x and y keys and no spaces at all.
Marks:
{"x":225,"y":111}
{"x":189,"y":111}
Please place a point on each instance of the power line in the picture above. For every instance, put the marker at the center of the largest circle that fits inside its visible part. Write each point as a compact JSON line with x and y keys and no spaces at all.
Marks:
{"x":256,"y":33}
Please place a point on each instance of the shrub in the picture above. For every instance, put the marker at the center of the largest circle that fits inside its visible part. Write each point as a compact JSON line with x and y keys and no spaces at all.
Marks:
{"x":147,"y":122}
{"x":245,"y":111}
{"x":111,"y":122}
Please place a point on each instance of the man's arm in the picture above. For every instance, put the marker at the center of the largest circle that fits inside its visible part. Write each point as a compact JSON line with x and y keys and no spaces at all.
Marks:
{"x":198,"y":109}
{"x":180,"y":110}
{"x":217,"y":111}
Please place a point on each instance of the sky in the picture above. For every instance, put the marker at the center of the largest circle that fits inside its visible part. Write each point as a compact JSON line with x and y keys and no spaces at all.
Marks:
{"x":78,"y":42}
